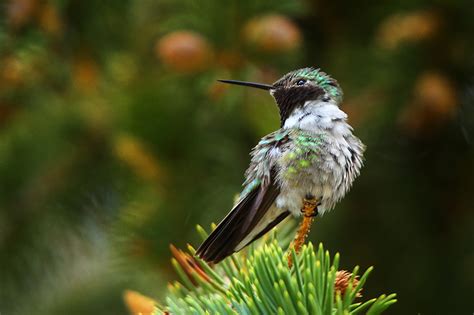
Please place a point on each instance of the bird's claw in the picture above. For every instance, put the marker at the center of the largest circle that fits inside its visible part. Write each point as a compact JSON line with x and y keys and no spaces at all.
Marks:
{"x":309,"y":210}
{"x":310,"y":205}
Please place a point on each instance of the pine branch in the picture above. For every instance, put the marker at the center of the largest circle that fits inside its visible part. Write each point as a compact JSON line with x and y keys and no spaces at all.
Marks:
{"x":258,"y":281}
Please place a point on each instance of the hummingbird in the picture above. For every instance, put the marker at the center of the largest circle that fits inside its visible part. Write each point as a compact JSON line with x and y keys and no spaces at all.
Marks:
{"x":313,"y":158}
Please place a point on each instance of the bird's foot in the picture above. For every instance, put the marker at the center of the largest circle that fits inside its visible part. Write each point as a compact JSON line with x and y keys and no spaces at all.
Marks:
{"x":309,"y":210}
{"x":310,"y":206}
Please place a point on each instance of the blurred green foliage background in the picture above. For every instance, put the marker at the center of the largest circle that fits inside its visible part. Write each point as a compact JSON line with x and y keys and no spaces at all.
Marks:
{"x":116,"y":140}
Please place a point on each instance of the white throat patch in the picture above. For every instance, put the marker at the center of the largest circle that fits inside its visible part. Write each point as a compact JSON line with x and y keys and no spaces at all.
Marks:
{"x":315,"y":115}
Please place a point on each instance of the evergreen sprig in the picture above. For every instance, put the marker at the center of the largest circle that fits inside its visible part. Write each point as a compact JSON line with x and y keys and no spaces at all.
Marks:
{"x":258,"y":281}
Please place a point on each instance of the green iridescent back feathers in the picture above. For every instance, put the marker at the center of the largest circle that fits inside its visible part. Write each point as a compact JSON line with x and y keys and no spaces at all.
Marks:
{"x":255,"y":173}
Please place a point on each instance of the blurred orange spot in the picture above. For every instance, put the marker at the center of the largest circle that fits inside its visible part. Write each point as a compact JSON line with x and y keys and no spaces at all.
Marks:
{"x":11,"y":71}
{"x":410,"y":27}
{"x":20,"y":12}
{"x":272,"y":33}
{"x":436,"y":93}
{"x":434,"y":101}
{"x":134,"y":153}
{"x":138,"y":304}
{"x":184,"y":51}
{"x":49,"y":20}
{"x":85,"y":74}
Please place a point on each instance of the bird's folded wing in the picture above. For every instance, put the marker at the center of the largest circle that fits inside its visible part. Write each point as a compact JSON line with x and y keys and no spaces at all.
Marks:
{"x":243,"y":222}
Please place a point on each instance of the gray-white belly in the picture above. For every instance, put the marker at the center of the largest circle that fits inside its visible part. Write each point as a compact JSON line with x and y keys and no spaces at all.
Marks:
{"x":328,"y":178}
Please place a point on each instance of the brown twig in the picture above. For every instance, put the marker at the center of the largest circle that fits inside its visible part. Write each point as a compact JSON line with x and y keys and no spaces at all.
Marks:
{"x":309,"y":211}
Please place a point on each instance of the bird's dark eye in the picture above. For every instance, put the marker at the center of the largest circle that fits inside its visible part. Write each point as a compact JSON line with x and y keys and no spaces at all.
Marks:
{"x":301,"y":82}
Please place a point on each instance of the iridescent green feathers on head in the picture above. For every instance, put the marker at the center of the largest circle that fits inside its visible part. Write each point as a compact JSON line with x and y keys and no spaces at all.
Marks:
{"x":322,"y":79}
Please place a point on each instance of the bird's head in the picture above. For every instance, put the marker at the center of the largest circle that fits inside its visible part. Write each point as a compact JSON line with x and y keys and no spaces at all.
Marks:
{"x":297,"y":87}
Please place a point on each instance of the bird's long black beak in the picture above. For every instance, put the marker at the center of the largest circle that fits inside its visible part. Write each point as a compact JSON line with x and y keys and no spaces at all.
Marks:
{"x":250,"y":84}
